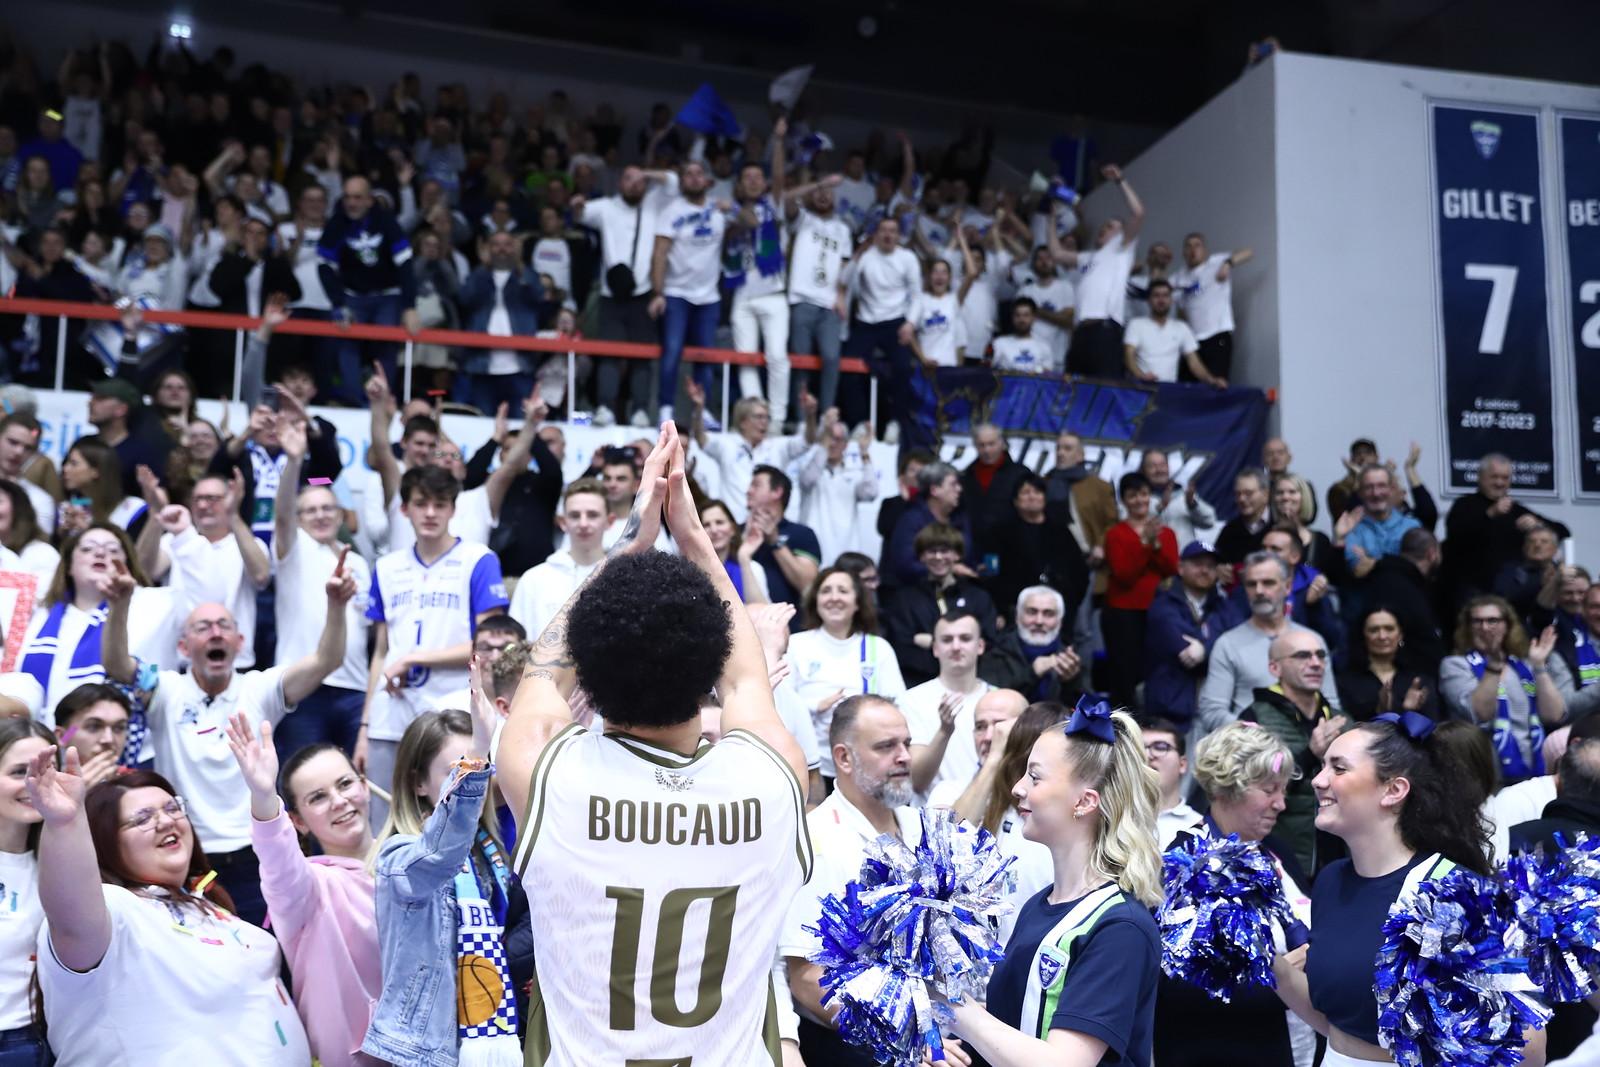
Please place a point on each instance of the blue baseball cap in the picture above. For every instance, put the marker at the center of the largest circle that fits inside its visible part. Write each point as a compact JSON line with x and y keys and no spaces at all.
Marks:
{"x":1197,"y":548}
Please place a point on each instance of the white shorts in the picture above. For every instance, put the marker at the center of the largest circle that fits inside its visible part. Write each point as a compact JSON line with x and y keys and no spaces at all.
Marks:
{"x":1330,"y":1058}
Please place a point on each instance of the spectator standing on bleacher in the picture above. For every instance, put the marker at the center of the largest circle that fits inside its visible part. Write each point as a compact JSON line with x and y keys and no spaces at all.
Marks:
{"x":683,"y":279}
{"x":367,"y":275}
{"x":1096,"y":350}
{"x":627,"y":226}
{"x":887,"y":280}
{"x":500,"y":297}
{"x":1204,"y":286}
{"x":754,"y":269}
{"x":819,"y":301}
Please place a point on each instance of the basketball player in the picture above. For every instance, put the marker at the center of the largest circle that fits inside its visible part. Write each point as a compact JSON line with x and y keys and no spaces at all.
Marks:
{"x":654,"y":863}
{"x":425,"y":605}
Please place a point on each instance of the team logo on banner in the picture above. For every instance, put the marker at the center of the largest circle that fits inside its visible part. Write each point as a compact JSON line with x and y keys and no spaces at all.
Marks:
{"x":1486,"y":135}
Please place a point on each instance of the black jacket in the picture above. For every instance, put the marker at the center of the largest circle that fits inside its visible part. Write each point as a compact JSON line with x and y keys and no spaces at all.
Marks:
{"x":1477,"y":544}
{"x":525,"y":534}
{"x":989,"y":507}
{"x":1006,"y":666}
{"x":230,"y":281}
{"x":913,"y":609}
{"x":1568,"y":816}
{"x":1038,"y":555}
{"x":1397,"y":584}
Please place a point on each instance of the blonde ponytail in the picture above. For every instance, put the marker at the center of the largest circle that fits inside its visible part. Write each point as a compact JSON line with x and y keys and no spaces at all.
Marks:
{"x":1125,"y":848}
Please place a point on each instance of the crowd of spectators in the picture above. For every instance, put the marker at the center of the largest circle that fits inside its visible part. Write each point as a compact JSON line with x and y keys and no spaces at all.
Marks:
{"x":181,"y":572}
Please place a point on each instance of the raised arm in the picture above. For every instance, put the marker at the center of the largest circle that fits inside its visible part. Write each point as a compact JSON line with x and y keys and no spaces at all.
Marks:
{"x":780,"y":130}
{"x":292,"y":436}
{"x":119,"y":665}
{"x":257,"y":567}
{"x":515,"y":461}
{"x":1135,"y":223}
{"x":745,"y":687}
{"x":379,"y":455}
{"x":69,"y":873}
{"x":658,"y":276}
{"x":301,"y":678}
{"x":1058,"y":251}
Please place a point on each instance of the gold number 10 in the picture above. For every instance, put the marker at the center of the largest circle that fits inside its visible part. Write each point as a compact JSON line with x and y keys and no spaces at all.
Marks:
{"x":625,"y":939}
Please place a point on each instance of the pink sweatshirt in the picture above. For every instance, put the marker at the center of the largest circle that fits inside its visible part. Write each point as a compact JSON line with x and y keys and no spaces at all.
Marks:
{"x":321,"y":910}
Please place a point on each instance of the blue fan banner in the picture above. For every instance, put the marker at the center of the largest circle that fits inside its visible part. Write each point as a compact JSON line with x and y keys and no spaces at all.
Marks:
{"x":1580,"y":195}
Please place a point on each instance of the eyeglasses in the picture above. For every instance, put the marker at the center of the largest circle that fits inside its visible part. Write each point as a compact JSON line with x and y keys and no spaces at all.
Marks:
{"x":206,"y":498}
{"x":1159,"y":748}
{"x":1306,"y":655}
{"x":451,"y":456}
{"x":175,"y":809}
{"x":1495,"y":620}
{"x":205,"y":626}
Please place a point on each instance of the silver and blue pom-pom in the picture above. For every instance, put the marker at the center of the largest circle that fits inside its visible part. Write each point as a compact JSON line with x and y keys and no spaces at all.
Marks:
{"x":1556,"y":896}
{"x":919,"y":924}
{"x":1223,"y":900}
{"x":1452,"y":979}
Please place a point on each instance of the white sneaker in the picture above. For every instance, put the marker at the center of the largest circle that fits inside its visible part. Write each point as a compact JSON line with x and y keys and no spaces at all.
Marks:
{"x":891,"y":434}
{"x":604,"y":417}
{"x":640,"y":419}
{"x":666,"y":414}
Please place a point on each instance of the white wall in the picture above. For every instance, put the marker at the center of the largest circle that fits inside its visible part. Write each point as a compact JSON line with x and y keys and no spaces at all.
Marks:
{"x":1357,"y":304}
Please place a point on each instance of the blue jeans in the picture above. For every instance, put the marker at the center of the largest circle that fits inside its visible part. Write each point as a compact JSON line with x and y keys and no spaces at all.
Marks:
{"x":371,"y":309}
{"x":486,"y":392}
{"x":240,"y":874}
{"x":329,"y":714}
{"x":685,"y":323}
{"x":815,"y":331}
{"x":24,"y":1048}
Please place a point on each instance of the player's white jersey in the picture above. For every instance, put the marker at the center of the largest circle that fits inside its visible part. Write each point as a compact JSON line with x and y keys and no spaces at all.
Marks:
{"x":427,"y":606}
{"x":658,"y":883}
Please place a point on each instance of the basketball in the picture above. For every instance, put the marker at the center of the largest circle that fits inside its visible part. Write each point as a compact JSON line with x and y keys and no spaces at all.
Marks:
{"x":479,"y":990}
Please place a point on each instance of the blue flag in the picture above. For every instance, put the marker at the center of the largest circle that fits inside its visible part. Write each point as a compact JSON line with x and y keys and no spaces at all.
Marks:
{"x":706,"y":113}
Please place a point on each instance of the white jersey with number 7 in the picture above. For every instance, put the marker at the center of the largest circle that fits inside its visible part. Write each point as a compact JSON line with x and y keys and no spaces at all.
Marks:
{"x":658,"y":883}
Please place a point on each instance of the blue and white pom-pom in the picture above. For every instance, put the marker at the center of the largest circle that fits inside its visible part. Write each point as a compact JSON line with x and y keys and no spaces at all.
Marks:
{"x":1223,"y":898}
{"x":1557,"y":900}
{"x":919,"y":920}
{"x":1452,"y":979}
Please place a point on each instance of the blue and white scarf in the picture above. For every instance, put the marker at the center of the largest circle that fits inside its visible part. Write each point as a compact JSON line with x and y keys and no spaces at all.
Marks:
{"x":1513,"y":764}
{"x":1584,"y":652}
{"x":486,"y":1005}
{"x":763,"y":244}
{"x":39,"y":655}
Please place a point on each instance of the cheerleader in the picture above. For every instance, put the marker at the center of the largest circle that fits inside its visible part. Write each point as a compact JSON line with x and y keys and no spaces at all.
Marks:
{"x":1077,"y":986}
{"x":1386,"y":788}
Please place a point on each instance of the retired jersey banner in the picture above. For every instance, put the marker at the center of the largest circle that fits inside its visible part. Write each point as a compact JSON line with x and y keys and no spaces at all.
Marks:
{"x":1209,"y":435}
{"x":1493,"y":307}
{"x":1580,"y":194}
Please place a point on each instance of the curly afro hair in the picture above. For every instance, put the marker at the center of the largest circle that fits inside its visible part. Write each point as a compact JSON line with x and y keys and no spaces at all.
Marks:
{"x":649,"y":637}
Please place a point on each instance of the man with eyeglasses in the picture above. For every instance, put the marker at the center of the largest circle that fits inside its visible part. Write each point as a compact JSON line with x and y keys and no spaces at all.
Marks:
{"x":307,"y":549}
{"x":187,"y":715}
{"x":209,"y":554}
{"x":1167,"y":752}
{"x":1241,"y":660}
{"x":93,"y":719}
{"x":1295,"y":710}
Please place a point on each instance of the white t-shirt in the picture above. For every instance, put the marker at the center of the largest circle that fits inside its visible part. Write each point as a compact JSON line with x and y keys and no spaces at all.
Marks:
{"x":312,"y":294}
{"x":544,"y":588}
{"x":221,"y":1002}
{"x":302,"y":601}
{"x":737,"y":461}
{"x":980,"y":312}
{"x":817,"y":255}
{"x":1103,"y":279}
{"x":822,"y":665}
{"x":853,"y":198}
{"x":1159,"y":347}
{"x":831,"y":499}
{"x":886,"y":285}
{"x":213,"y":572}
{"x":188,"y":730}
{"x":839,"y":835}
{"x":1205,"y":302}
{"x":1024,"y":355}
{"x":20,"y":916}
{"x":694,"y":260}
{"x":617,"y":220}
{"x":433,"y":606}
{"x":941,"y":331}
{"x":150,"y":639}
{"x":39,"y":559}
{"x":44,"y":505}
{"x":1054,"y":294}
{"x":921,"y":707}
{"x":553,"y":256}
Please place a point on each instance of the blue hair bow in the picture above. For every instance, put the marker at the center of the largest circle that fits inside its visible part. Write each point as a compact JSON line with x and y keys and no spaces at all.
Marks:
{"x":1415,"y":726}
{"x":1093,"y":718}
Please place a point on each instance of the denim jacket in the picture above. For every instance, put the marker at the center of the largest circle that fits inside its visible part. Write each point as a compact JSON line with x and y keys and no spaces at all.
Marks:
{"x":415,"y":1021}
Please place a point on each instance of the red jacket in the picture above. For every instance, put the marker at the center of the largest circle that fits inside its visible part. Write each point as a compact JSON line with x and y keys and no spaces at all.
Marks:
{"x":1135,"y":569}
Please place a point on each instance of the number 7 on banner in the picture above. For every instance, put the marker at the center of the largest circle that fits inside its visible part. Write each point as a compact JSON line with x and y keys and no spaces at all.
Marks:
{"x":1503,"y":283}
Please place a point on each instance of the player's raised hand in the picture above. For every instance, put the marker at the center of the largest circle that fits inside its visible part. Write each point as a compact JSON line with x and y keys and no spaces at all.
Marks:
{"x":644,"y":522}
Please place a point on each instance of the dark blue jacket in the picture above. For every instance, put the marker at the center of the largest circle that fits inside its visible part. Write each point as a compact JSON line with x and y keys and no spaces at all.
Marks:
{"x":523,"y":294}
{"x":900,"y":565}
{"x":366,"y":255}
{"x":1171,"y":690}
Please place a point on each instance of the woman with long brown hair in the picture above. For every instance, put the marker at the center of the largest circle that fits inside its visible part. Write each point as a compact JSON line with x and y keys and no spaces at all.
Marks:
{"x":138,"y":928}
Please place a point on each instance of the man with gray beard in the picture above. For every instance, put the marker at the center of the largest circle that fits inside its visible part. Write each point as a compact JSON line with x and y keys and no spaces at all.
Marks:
{"x":872,"y":795}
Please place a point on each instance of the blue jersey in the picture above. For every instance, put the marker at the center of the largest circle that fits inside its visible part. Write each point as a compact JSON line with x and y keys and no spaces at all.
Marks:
{"x":429,"y":605}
